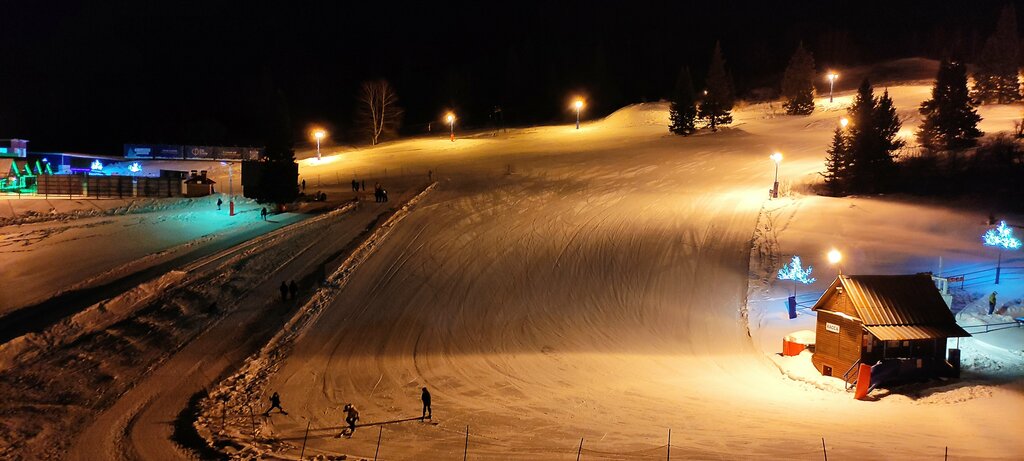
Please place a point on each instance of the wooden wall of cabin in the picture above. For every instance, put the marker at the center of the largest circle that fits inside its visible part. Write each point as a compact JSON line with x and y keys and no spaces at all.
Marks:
{"x":836,"y":350}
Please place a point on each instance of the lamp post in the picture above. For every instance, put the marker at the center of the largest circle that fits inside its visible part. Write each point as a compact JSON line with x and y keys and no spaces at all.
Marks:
{"x":834,"y":257}
{"x":1002,"y":238}
{"x":777,"y":158}
{"x":318,"y":134}
{"x":450,"y":118}
{"x":231,"y":188}
{"x":843,"y":122}
{"x":578,"y":104}
{"x":832,"y":76}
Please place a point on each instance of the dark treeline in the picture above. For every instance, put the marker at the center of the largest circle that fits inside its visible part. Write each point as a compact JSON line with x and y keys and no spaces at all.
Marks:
{"x":95,"y":76}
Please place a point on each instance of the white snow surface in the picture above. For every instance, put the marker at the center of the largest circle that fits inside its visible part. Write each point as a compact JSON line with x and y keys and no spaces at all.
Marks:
{"x":564,"y":284}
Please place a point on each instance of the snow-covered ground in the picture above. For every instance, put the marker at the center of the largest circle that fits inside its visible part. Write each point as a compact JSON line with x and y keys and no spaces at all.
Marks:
{"x":593,"y":284}
{"x":604,"y":284}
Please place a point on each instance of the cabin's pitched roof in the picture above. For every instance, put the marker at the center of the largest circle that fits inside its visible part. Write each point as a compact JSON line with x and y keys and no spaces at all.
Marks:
{"x":896,"y":307}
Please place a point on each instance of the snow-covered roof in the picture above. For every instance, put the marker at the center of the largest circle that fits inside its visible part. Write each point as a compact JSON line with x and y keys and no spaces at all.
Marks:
{"x":896,"y":307}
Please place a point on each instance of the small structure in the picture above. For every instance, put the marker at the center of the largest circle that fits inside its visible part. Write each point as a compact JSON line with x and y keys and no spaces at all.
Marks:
{"x":13,"y":148}
{"x":198,"y":185}
{"x":897,"y":324}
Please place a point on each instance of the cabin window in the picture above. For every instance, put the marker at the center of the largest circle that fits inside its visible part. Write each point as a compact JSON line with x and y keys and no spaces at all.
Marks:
{"x":826,"y":370}
{"x":906,"y":343}
{"x":892,"y":344}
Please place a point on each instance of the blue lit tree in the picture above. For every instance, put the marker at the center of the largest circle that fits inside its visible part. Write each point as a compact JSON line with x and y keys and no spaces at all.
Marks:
{"x":1002,"y":238}
{"x":794,"y":271}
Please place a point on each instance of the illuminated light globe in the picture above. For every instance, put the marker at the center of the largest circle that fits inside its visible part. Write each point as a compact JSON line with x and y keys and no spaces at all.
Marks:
{"x":135,"y":167}
{"x":1002,"y":238}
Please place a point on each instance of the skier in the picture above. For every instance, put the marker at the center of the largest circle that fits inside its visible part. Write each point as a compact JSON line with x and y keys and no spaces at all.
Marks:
{"x":293,"y":289}
{"x":284,"y":291}
{"x":991,"y":303}
{"x":351,"y":416}
{"x":430,"y":175}
{"x":364,"y":185}
{"x":427,"y":412}
{"x":275,"y":402}
{"x":263,"y":213}
{"x":355,"y":186}
{"x":303,"y":185}
{"x":219,"y":203}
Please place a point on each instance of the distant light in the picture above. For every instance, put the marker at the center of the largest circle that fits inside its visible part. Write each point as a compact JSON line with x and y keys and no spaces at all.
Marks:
{"x":319,"y":134}
{"x":776,"y":157}
{"x":46,"y":160}
{"x":844,"y":121}
{"x":96,"y":165}
{"x":832,"y":76}
{"x":578,"y":104}
{"x":450,"y":117}
{"x":794,"y":271}
{"x":834,"y":256}
{"x":135,"y":167}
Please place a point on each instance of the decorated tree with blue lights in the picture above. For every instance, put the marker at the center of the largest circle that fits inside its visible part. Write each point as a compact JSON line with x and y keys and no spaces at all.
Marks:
{"x":1002,"y":238}
{"x":795,"y":271}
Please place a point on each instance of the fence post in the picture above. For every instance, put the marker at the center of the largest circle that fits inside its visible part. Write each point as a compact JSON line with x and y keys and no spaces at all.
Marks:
{"x":823,"y":448}
{"x":945,"y":457}
{"x":379,"y":433}
{"x":465,"y":451}
{"x":579,"y":450}
{"x":668,"y":453}
{"x":303,"y":452}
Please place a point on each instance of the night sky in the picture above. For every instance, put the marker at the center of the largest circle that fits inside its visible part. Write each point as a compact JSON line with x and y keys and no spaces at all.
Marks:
{"x":87,"y":78}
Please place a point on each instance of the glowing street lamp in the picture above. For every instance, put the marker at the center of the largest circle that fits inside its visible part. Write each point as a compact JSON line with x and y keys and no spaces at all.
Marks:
{"x":319,"y":135}
{"x":450,"y":118}
{"x":777,"y":158}
{"x":834,"y":257}
{"x":843,"y":122}
{"x":578,"y":104}
{"x":832,"y":76}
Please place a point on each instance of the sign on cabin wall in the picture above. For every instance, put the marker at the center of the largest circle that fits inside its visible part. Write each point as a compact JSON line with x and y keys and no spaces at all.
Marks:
{"x":829,"y":326}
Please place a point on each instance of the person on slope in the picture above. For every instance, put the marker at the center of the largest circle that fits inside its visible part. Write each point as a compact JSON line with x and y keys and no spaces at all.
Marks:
{"x":427,"y":412}
{"x":351,"y":416}
{"x":992,"y":303}
{"x":275,"y":402}
{"x":219,"y":203}
{"x":284,"y":291}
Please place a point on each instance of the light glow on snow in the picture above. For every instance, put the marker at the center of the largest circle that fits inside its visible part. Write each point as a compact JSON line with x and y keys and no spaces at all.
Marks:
{"x":1002,"y":237}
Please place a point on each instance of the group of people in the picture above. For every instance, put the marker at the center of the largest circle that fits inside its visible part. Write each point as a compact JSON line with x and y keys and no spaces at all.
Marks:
{"x":287,"y":289}
{"x":356,"y":185}
{"x":351,"y":413}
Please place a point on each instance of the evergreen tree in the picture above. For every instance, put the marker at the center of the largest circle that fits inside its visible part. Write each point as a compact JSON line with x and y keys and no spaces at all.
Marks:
{"x":836,"y":164}
{"x":996,"y":78}
{"x":718,"y":102}
{"x":861,"y":115}
{"x":950,"y":121}
{"x":798,"y":83}
{"x":683,"y":109}
{"x":873,"y":141}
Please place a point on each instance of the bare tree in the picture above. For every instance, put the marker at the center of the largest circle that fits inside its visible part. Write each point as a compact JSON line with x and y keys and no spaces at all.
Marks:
{"x":378,"y":112}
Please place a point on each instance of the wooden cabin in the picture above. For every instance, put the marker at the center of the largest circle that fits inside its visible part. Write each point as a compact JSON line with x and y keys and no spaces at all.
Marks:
{"x":900,"y":320}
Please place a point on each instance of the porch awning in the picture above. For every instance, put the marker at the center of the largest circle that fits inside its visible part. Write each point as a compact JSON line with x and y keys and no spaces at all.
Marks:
{"x":908,"y":332}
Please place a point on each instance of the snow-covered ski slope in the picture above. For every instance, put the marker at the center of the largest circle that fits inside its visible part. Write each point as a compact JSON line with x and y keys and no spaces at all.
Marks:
{"x":597,"y":291}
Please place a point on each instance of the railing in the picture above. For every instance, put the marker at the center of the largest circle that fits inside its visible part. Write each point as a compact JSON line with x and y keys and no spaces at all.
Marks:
{"x":846,"y":376}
